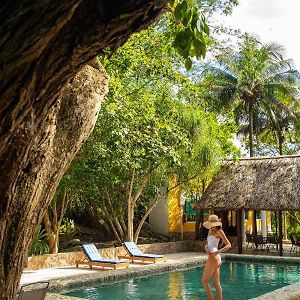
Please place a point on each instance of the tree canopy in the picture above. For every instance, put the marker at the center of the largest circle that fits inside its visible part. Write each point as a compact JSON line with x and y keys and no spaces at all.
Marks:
{"x":259,"y":85}
{"x":146,"y":132}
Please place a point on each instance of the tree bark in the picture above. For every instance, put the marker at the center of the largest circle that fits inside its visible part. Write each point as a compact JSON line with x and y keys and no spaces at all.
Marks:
{"x":251,"y":112}
{"x":132,"y":199}
{"x":280,"y":143}
{"x":43,"y":45}
{"x":51,"y":234}
{"x":68,"y":124}
{"x":53,"y":219}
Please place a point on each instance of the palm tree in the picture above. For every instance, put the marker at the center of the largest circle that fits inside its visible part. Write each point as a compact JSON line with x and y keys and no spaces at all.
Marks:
{"x":281,"y":121}
{"x":255,"y":81}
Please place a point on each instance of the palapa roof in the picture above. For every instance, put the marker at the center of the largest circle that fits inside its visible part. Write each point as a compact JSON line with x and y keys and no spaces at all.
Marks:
{"x":260,"y":183}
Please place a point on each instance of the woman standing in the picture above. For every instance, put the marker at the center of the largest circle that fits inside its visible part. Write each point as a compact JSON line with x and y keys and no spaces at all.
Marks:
{"x":213,"y":263}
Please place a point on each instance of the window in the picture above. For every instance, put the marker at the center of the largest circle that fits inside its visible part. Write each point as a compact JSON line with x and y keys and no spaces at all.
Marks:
{"x":190,"y":213}
{"x":246,"y":215}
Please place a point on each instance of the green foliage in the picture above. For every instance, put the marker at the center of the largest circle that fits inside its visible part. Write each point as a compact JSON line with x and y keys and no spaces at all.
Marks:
{"x":191,"y":32}
{"x":67,"y":226}
{"x":293,"y":223}
{"x":151,"y":126}
{"x":190,"y":29}
{"x":258,"y":85}
{"x":39,"y":246}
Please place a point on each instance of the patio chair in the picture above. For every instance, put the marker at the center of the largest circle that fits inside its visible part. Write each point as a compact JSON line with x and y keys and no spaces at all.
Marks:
{"x":293,"y":247}
{"x":259,"y":241}
{"x":36,"y":291}
{"x":272,"y":242}
{"x":249,"y":240}
{"x":295,"y":244}
{"x":94,"y":259}
{"x":134,"y":253}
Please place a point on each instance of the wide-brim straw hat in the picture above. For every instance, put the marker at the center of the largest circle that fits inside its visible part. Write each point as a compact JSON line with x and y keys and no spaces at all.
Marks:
{"x":213,"y":221}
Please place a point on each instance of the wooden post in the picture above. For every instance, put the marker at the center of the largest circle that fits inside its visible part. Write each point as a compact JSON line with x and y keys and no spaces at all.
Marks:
{"x":280,"y":231}
{"x":254,"y":226}
{"x":285,"y":237}
{"x":239,"y":231}
{"x":276,"y":223}
{"x":224,"y":219}
{"x":198,"y":225}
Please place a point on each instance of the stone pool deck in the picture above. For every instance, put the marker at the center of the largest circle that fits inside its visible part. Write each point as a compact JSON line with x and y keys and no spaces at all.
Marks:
{"x":65,"y":278}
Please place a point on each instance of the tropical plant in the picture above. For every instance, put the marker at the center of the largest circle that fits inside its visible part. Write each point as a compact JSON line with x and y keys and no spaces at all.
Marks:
{"x":67,"y":226}
{"x":39,"y":246}
{"x":257,"y":83}
{"x":281,"y":124}
{"x":293,"y":220}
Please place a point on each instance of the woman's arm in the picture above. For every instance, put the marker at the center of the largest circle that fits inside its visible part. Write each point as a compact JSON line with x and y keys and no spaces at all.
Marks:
{"x":225,"y":241}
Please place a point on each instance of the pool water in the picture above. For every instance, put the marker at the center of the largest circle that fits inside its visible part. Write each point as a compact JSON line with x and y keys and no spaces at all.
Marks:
{"x":239,"y":280}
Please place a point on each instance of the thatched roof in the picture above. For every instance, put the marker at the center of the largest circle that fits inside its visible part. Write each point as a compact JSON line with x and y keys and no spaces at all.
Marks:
{"x":267,"y":183}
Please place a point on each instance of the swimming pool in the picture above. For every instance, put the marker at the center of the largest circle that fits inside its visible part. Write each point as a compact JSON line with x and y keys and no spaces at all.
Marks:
{"x":240,"y":280}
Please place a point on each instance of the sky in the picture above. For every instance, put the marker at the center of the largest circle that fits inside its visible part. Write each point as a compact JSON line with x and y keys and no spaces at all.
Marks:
{"x":272,"y":20}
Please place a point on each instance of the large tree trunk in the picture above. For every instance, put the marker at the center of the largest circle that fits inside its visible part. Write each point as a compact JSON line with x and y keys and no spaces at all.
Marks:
{"x":43,"y":44}
{"x":67,"y":125}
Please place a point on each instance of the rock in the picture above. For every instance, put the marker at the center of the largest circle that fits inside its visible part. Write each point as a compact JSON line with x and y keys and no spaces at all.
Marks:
{"x":74,"y":242}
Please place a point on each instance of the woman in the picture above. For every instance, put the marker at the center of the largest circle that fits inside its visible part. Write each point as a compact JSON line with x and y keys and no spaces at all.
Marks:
{"x":213,"y":263}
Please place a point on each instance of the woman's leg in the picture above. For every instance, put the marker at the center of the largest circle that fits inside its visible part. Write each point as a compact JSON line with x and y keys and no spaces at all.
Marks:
{"x":207,"y":273}
{"x":216,"y":281}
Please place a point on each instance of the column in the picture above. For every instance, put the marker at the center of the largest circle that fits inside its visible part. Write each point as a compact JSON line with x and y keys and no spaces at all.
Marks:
{"x":243,"y":231}
{"x":263,"y":216}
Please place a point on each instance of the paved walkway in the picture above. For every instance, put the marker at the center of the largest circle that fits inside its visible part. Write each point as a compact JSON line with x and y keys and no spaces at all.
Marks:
{"x":54,"y":274}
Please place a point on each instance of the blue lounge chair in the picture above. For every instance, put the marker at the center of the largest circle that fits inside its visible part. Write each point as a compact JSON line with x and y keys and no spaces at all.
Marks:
{"x":136,"y":254}
{"x":93,"y":258}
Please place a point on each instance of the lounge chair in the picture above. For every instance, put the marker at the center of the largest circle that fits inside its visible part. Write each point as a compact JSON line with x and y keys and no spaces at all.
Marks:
{"x":295,"y":244}
{"x":249,"y":240}
{"x":272,"y":242}
{"x":134,"y":253}
{"x":94,"y":259}
{"x":28,"y":292}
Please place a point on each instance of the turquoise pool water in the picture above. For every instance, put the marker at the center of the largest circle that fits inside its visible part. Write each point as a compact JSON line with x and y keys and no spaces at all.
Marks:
{"x":240,"y":280}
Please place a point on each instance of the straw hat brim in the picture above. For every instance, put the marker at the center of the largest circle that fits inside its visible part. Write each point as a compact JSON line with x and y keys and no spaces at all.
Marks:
{"x":211,"y":224}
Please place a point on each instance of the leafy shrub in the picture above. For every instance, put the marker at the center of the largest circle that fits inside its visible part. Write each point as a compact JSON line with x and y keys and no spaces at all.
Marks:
{"x":67,"y":226}
{"x":39,"y":246}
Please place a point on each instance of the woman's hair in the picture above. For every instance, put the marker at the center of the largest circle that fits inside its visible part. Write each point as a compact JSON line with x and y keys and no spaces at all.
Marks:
{"x":218,"y":227}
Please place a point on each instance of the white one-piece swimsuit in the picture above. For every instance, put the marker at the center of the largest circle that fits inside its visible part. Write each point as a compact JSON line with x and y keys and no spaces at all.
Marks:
{"x":212,"y":243}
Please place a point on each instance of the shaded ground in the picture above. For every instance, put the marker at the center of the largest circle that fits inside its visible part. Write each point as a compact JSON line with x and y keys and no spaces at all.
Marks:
{"x":82,"y":234}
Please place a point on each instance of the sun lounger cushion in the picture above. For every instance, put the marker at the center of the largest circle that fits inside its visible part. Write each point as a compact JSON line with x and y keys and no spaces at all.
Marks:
{"x":93,"y":255}
{"x":135,"y":251}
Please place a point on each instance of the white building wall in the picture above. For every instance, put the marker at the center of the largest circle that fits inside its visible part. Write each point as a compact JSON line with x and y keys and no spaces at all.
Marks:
{"x":158,"y":218}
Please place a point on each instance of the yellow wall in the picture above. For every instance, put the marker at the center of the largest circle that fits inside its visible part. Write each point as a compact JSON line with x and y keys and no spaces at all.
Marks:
{"x":174,"y":208}
{"x":174,"y":214}
{"x":189,"y":227}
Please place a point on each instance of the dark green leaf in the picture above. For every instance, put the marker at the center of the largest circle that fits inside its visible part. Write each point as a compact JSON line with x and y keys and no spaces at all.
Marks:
{"x":188,"y":64}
